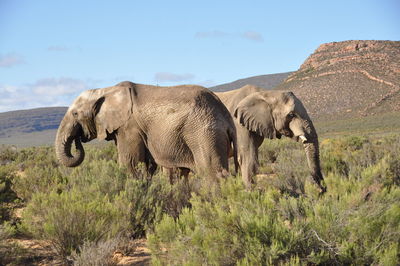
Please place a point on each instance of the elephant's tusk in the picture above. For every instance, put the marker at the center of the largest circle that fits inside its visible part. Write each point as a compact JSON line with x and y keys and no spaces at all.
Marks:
{"x":303,"y":139}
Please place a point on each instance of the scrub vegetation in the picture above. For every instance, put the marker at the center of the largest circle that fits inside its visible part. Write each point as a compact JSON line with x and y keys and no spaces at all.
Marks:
{"x":97,"y":207}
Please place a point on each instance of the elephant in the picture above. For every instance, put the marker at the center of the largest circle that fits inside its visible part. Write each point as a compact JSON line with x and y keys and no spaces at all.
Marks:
{"x":260,"y":114}
{"x":185,"y":127}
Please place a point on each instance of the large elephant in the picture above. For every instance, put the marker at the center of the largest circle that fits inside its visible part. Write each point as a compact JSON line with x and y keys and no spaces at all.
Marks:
{"x":184,"y":127}
{"x":260,"y":114}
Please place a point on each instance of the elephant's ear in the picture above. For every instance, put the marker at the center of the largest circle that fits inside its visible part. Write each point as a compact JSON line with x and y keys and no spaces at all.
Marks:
{"x":254,"y":113}
{"x":113,"y":110}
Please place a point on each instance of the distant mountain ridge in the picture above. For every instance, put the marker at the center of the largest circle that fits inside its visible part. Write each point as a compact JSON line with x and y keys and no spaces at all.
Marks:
{"x":30,"y":127}
{"x":27,"y":121}
{"x":265,"y":81}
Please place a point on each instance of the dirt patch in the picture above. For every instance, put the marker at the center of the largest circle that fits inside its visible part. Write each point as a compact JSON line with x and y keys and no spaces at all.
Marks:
{"x":41,"y":253}
{"x":139,"y":256}
{"x":32,"y":252}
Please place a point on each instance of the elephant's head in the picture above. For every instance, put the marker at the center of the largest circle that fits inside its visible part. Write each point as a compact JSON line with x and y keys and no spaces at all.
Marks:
{"x":94,"y":114}
{"x":272,"y":114}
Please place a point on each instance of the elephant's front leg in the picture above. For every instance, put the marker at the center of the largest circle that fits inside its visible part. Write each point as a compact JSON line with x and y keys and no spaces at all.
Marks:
{"x":131,"y":150}
{"x":248,"y":144}
{"x":248,"y":169}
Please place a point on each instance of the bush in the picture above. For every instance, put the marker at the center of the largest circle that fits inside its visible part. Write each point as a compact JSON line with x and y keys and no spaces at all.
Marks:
{"x":7,"y":175}
{"x":36,"y":156}
{"x":96,"y":253}
{"x":38,"y":180}
{"x":271,"y":149}
{"x":73,"y":217}
{"x":151,"y":198}
{"x":235,"y":226}
{"x":8,"y":154}
{"x":292,"y":171}
{"x":95,"y":202}
{"x":356,"y":222}
{"x":253,"y":228}
{"x":84,"y":210}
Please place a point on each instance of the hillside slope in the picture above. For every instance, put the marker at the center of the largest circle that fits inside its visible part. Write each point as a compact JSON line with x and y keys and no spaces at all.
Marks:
{"x":28,"y":121}
{"x":264,"y":81}
{"x":30,"y":127}
{"x":349,"y":79}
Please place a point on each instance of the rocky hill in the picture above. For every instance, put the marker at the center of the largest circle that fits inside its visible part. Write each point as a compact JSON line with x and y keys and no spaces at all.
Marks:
{"x":349,"y":79}
{"x":264,"y":81}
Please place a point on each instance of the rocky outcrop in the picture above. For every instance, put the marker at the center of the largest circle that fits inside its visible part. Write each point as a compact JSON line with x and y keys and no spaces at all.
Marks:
{"x":348,"y":79}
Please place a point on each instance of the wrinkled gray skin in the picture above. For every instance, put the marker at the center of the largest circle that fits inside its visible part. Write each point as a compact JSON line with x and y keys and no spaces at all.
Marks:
{"x":260,"y":114}
{"x":184,"y":127}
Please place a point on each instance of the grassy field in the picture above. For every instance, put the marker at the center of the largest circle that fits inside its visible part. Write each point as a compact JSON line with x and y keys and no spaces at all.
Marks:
{"x":384,"y":124}
{"x":88,"y":213}
{"x":23,"y":140}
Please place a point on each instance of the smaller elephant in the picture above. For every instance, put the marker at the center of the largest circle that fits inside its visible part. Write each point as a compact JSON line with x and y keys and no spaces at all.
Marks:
{"x":260,"y":114}
{"x":185,"y":127}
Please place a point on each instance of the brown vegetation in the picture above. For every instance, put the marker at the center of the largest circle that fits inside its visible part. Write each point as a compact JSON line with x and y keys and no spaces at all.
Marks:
{"x":349,"y":79}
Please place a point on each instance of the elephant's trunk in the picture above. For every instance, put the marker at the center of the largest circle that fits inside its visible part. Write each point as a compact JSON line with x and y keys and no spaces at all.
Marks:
{"x":312,"y":153}
{"x":66,"y":134}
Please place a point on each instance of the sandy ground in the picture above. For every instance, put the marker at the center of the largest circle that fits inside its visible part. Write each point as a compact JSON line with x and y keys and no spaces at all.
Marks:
{"x":41,"y":253}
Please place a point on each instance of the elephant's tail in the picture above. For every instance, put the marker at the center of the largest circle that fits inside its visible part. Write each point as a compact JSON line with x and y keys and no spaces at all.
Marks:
{"x":233,"y":142}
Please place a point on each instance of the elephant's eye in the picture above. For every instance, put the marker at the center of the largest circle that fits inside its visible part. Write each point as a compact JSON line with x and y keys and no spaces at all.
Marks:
{"x":291,"y":115}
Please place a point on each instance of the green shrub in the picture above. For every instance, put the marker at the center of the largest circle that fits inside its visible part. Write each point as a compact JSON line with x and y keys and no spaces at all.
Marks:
{"x":38,"y":179}
{"x":283,"y":222}
{"x":8,"y":197}
{"x":151,"y":198}
{"x":231,"y":226}
{"x":7,"y":175}
{"x":270,"y":149}
{"x":353,"y":223}
{"x":73,"y":217}
{"x":292,"y":171}
{"x":36,"y":156}
{"x":94,"y":202}
{"x":105,"y":177}
{"x":101,"y":151}
{"x":7,"y":154}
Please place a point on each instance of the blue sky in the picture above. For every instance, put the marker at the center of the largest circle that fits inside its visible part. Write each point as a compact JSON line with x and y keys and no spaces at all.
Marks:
{"x":50,"y":51}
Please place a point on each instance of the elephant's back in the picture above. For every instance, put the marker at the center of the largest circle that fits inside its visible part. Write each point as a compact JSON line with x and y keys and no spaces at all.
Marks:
{"x":232,"y":98}
{"x":211,"y":106}
{"x":182,"y":94}
{"x":176,"y":104}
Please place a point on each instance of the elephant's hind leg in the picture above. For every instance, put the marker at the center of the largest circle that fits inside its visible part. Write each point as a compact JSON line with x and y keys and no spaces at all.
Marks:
{"x":212,"y":159}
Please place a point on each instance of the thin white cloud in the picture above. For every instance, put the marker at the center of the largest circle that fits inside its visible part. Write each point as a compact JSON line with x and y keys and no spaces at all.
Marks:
{"x":57,"y":86}
{"x":14,"y":98}
{"x":10,"y":60}
{"x":217,"y":34}
{"x":57,"y":48}
{"x":212,"y":34}
{"x":253,"y":36}
{"x":42,"y":93}
{"x":171,"y":77}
